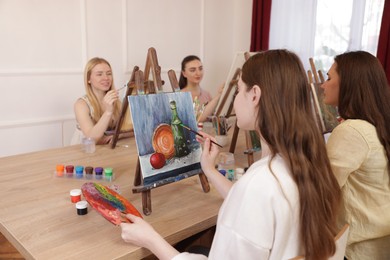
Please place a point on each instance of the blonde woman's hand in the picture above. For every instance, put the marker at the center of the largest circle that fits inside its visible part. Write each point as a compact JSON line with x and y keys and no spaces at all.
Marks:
{"x":109,"y":100}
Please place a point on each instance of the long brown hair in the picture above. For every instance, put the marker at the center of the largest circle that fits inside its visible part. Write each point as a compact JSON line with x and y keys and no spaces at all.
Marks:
{"x":364,"y":92}
{"x":285,"y":120}
{"x":92,"y":97}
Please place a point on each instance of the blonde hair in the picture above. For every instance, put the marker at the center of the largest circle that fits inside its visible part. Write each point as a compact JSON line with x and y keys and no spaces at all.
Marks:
{"x":92,"y":97}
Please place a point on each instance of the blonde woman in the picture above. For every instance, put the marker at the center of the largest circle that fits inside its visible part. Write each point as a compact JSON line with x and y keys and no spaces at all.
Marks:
{"x":99,"y":109}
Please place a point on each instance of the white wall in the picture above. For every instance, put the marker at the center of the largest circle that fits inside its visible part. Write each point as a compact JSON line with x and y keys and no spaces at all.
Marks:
{"x":44,"y":45}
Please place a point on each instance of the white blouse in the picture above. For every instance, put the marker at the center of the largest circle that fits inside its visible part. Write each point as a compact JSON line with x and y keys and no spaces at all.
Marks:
{"x":259,"y":218}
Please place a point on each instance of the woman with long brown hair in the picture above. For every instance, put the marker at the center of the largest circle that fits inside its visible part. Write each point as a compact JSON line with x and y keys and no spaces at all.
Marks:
{"x":285,"y":205}
{"x":359,"y":151}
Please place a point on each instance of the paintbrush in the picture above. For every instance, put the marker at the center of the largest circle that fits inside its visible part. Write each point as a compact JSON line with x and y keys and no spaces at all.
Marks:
{"x":119,"y":89}
{"x":189,"y":129}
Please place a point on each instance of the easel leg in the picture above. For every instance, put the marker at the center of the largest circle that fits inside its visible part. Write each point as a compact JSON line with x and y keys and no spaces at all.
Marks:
{"x":204,"y":182}
{"x":146,"y":202}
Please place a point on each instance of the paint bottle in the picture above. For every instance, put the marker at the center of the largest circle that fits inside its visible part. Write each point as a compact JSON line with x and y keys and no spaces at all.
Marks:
{"x":82,"y":207}
{"x":79,"y":172}
{"x":75,"y":195}
{"x":98,"y":173}
{"x":108,"y":174}
{"x":69,"y":171}
{"x":88,"y":172}
{"x":230,"y":174}
{"x":60,"y":170}
{"x":223,"y":172}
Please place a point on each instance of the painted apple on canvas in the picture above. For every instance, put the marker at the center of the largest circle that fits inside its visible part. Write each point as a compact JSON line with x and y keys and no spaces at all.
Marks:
{"x":157,"y":160}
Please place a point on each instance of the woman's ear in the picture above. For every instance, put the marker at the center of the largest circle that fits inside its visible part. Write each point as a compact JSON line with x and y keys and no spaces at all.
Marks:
{"x":256,"y":94}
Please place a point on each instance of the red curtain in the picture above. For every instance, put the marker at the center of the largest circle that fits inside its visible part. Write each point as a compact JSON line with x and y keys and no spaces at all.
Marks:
{"x":261,"y":16}
{"x":383,"y":53}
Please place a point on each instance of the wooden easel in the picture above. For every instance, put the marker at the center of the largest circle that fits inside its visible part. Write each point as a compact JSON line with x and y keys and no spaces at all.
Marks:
{"x":140,"y":84}
{"x":125,"y":105}
{"x":147,"y":86}
{"x":233,"y":86}
{"x":329,"y":120}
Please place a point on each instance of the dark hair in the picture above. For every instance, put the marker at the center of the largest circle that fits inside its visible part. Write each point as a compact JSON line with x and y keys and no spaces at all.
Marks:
{"x":364,"y":92}
{"x":286,"y":123}
{"x":182,"y":79}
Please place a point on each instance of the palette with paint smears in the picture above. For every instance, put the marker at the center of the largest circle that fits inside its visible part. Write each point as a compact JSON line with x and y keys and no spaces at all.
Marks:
{"x":108,"y":202}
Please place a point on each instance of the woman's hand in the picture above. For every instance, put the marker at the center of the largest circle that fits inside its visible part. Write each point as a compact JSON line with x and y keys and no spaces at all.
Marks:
{"x":210,"y":152}
{"x":207,"y":160}
{"x":105,"y":140}
{"x":139,"y":232}
{"x":109,"y":100}
{"x":220,"y":89}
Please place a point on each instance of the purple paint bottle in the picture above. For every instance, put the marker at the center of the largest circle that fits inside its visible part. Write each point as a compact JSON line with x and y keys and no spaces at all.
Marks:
{"x":98,"y":173}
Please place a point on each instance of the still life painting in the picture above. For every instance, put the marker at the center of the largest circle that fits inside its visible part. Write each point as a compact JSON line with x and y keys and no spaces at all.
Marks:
{"x":166,"y":148}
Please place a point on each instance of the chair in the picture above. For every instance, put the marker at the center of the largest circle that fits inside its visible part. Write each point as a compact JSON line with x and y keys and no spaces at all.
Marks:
{"x":341,"y":244}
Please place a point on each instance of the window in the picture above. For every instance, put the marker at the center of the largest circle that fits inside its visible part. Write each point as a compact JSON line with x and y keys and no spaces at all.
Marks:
{"x":345,"y":26}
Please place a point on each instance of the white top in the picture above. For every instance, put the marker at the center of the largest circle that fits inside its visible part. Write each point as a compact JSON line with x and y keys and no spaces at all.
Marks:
{"x":78,"y":134}
{"x":259,"y":218}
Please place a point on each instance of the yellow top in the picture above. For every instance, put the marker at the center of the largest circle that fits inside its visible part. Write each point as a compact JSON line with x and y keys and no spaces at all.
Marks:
{"x":360,"y":165}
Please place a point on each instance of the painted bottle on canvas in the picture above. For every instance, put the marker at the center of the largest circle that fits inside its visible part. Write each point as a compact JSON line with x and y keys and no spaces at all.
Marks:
{"x":181,"y":148}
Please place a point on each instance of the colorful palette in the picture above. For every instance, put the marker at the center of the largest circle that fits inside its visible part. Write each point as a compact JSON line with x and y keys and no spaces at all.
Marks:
{"x":108,"y":203}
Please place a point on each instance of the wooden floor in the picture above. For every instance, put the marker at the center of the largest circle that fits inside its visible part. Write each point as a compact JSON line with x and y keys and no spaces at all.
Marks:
{"x":7,"y":251}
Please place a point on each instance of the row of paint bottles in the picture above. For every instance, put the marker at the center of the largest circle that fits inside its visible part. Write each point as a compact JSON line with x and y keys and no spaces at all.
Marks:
{"x":77,"y":172}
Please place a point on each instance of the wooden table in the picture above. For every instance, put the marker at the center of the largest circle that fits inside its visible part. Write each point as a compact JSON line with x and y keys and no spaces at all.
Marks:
{"x":38,"y":218}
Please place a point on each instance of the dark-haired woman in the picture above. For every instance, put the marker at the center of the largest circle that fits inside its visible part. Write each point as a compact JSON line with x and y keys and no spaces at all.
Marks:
{"x":359,"y":151}
{"x":190,"y":77}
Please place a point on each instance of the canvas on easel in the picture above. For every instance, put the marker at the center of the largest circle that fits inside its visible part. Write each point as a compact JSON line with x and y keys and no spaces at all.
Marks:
{"x":165,"y":148}
{"x":161,"y":159}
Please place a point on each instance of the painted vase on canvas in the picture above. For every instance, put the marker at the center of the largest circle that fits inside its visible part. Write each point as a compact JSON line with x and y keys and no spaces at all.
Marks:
{"x":181,"y":148}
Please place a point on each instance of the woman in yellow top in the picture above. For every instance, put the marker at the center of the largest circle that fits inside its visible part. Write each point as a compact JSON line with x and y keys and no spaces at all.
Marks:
{"x":190,"y":77}
{"x":359,"y":151}
{"x":99,"y":109}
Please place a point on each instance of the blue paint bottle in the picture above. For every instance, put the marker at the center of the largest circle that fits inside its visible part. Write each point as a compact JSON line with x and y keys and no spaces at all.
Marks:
{"x":79,"y":172}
